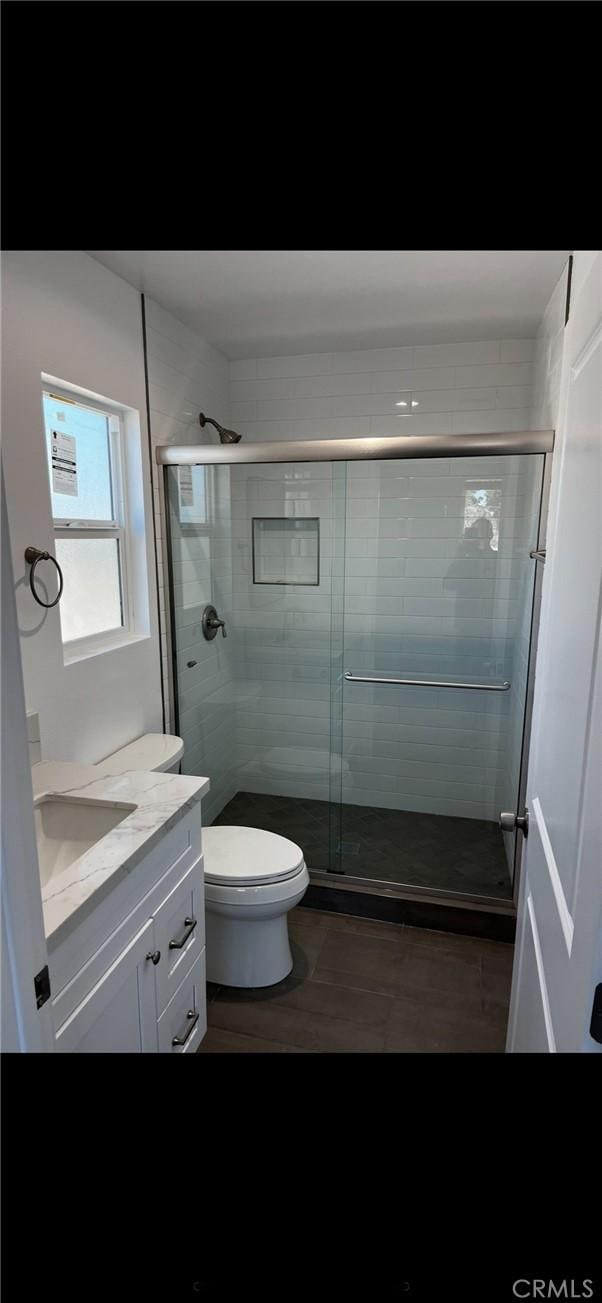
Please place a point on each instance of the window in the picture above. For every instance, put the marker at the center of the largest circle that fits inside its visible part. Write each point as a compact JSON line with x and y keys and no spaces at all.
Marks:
{"x":85,"y":445}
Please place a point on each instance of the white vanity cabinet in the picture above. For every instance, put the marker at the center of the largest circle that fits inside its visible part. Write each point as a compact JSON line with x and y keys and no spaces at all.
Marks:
{"x":130,"y":977}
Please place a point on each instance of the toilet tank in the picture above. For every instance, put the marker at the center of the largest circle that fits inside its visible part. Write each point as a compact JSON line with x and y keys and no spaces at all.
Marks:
{"x":153,"y":751}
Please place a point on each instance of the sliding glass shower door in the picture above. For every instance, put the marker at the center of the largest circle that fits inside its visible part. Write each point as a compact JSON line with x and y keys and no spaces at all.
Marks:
{"x":363,"y":690}
{"x":438,"y":590}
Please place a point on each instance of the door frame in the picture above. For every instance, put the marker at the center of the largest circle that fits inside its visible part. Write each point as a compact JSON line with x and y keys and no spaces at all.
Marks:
{"x":540,"y":544}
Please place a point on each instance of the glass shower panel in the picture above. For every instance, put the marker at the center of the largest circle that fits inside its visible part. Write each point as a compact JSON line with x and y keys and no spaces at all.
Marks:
{"x":199,"y":536}
{"x":258,"y":710}
{"x":438,"y":589}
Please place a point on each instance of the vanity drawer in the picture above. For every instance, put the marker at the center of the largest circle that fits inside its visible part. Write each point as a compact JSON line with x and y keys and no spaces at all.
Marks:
{"x":185,"y":1018}
{"x":179,"y":933}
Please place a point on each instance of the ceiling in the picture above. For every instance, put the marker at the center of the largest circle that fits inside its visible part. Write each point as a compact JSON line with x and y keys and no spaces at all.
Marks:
{"x":253,"y":303}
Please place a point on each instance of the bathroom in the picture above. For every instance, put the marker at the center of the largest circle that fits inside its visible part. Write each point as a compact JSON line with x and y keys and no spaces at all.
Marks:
{"x":300,"y":674}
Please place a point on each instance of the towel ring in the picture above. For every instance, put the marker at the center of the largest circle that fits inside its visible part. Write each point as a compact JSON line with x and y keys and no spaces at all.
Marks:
{"x":32,"y":556}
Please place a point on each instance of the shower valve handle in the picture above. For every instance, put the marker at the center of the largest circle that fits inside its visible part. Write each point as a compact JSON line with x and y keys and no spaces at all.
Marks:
{"x":211,"y":622}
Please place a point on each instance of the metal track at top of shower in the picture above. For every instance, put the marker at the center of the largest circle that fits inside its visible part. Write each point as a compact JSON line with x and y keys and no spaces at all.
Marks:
{"x":504,"y":444}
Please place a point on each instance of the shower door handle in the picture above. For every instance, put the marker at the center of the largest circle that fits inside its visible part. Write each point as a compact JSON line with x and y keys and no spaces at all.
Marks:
{"x":429,"y":683}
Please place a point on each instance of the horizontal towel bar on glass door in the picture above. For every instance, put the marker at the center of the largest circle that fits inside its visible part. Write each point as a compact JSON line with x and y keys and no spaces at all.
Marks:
{"x":428,"y":683}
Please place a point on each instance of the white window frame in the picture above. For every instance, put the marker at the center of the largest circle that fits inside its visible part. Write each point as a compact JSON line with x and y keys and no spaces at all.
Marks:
{"x":118,"y":528}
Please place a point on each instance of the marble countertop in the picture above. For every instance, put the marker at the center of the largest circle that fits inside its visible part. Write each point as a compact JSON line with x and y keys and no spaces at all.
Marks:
{"x":160,"y":800}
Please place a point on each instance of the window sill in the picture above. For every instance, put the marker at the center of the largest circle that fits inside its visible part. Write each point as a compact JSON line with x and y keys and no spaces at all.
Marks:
{"x":81,"y":652}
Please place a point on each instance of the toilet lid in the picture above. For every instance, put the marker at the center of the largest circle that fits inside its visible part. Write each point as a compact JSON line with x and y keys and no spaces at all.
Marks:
{"x":248,"y":856}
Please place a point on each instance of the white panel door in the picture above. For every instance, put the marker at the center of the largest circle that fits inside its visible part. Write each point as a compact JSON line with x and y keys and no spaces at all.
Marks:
{"x":561,"y":889}
{"x":119,"y":1014}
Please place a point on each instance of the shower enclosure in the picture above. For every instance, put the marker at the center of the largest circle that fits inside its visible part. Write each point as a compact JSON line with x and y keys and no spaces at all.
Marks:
{"x":366,"y":690}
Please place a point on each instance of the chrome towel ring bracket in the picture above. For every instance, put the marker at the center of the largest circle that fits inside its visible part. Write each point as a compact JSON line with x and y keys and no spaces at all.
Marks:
{"x":32,"y":556}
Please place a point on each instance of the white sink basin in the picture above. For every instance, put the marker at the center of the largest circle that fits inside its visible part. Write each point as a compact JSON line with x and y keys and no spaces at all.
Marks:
{"x":66,"y":828}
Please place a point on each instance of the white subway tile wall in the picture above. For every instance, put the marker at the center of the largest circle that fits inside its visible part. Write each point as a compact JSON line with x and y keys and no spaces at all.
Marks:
{"x":455,"y":388}
{"x":408,"y":596}
{"x":284,"y":636}
{"x":417,"y":599}
{"x":256,"y":711}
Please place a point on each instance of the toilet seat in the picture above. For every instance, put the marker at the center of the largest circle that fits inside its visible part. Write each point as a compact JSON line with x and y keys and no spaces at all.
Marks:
{"x":248,"y":857}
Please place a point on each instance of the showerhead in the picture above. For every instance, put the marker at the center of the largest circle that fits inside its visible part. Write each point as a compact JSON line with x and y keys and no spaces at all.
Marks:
{"x":225,"y":436}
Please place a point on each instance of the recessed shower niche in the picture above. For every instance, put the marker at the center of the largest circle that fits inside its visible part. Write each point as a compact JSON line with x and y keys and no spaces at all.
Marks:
{"x":286,"y":550}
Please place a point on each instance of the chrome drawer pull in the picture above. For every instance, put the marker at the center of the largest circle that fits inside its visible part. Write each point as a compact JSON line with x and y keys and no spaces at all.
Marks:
{"x":181,"y":1040}
{"x":189,"y":924}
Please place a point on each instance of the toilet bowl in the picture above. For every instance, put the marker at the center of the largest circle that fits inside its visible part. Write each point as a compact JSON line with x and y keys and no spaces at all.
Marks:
{"x":252,"y":879}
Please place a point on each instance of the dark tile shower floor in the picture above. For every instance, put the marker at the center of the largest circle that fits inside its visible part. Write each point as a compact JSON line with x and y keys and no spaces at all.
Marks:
{"x":400,"y":846}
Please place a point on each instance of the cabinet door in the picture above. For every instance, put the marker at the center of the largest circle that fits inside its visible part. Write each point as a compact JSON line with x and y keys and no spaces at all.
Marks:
{"x":119,"y":1014}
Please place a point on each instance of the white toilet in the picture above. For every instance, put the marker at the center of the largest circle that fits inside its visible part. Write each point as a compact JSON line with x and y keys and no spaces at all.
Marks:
{"x":252,"y":879}
{"x":159,"y":751}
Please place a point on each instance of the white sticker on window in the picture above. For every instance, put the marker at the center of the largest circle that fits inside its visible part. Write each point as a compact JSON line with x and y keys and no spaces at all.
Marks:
{"x":64,"y":463}
{"x":185,"y":478}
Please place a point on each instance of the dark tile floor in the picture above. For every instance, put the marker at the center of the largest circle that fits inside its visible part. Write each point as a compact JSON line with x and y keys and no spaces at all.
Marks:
{"x":370,"y":987}
{"x":360,"y":841}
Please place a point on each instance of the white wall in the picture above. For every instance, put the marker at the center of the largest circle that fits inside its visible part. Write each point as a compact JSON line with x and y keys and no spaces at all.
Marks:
{"x":187,"y":376}
{"x":66,"y":315}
